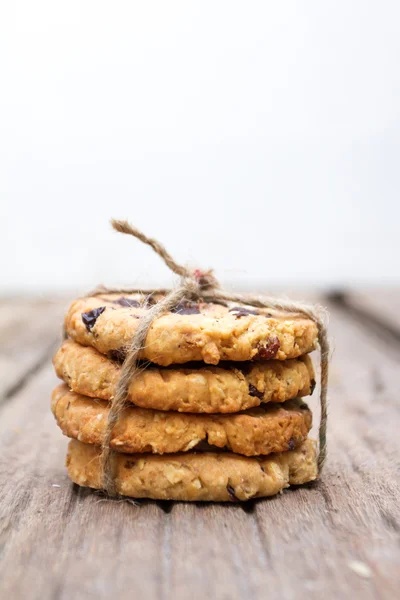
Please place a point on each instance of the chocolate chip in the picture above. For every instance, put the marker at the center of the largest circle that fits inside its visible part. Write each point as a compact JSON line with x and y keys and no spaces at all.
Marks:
{"x":129,"y":464}
{"x":269,"y":350}
{"x":118,"y":354}
{"x":253,"y":391}
{"x":90,"y":317}
{"x":231,"y":492}
{"x":291,"y":444}
{"x":129,"y":302}
{"x":186,"y":308}
{"x":312,"y":386}
{"x":241,"y":311}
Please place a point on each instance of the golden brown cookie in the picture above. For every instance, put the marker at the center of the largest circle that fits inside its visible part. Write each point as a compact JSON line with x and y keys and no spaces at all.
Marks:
{"x":207,"y":389}
{"x":275,"y":428}
{"x":191,"y":332}
{"x":197,"y":476}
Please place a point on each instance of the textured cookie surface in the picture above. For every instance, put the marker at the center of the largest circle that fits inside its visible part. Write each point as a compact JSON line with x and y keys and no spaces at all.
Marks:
{"x":195,"y":476}
{"x":275,"y":428}
{"x":209,"y":389}
{"x":191,"y":332}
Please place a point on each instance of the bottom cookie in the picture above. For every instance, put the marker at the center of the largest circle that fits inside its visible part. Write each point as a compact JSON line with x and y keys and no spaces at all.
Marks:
{"x":195,"y":476}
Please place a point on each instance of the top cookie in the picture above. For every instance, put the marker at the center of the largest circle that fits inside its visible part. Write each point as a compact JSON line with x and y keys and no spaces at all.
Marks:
{"x":193,"y":331}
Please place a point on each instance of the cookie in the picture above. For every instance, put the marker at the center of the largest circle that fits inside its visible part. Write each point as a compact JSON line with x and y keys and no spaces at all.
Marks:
{"x":275,"y":428}
{"x":192,"y":331}
{"x":210,"y":389}
{"x":211,"y":476}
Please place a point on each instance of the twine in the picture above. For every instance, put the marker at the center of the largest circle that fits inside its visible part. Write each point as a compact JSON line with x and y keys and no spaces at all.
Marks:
{"x":193,"y":286}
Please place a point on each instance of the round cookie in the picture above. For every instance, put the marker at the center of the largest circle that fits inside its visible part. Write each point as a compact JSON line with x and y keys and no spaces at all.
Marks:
{"x":222,"y":389}
{"x":196,"y":476}
{"x":191,"y":332}
{"x":275,"y":428}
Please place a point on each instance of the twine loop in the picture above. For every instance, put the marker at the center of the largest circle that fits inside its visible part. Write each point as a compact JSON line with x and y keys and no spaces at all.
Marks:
{"x":198,"y":285}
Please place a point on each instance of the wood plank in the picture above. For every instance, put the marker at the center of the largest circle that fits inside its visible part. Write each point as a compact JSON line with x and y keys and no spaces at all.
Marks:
{"x":378,"y":312}
{"x":98,"y":547}
{"x":351,"y":517}
{"x":41,"y":523}
{"x":329,"y":536}
{"x":383,"y":303}
{"x":29,"y":330}
{"x":215,"y":551}
{"x":63,"y":541}
{"x":339,"y":537}
{"x":338,"y":525}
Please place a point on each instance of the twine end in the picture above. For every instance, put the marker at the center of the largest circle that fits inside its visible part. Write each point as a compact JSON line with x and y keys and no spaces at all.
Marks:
{"x":121,"y":225}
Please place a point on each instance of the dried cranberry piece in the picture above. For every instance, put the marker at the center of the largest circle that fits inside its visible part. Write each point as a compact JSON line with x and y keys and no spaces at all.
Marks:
{"x":90,"y":317}
{"x":241,"y":311}
{"x":269,"y":350}
{"x":186,"y":308}
{"x":253,"y":391}
{"x":129,"y":302}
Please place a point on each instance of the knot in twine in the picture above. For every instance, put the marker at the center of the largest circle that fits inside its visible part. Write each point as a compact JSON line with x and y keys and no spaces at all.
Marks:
{"x":197,"y":285}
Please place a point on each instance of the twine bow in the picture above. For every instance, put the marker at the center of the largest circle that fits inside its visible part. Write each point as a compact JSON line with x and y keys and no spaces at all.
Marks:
{"x":194,"y":285}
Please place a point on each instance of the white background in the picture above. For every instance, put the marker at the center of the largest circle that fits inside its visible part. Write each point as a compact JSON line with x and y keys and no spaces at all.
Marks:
{"x":261,"y":138}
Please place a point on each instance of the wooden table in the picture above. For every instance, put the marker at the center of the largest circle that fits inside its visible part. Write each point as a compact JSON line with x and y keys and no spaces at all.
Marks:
{"x":338,"y":538}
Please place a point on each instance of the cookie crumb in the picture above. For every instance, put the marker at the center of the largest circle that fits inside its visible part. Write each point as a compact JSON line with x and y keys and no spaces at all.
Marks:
{"x":361,"y":568}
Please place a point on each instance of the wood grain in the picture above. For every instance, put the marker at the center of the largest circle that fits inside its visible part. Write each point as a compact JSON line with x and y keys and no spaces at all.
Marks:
{"x":339,"y":537}
{"x":29,"y":331}
{"x":383,"y":304}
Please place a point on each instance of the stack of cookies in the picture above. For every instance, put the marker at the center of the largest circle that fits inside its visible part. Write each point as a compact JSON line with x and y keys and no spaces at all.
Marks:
{"x":216,"y":413}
